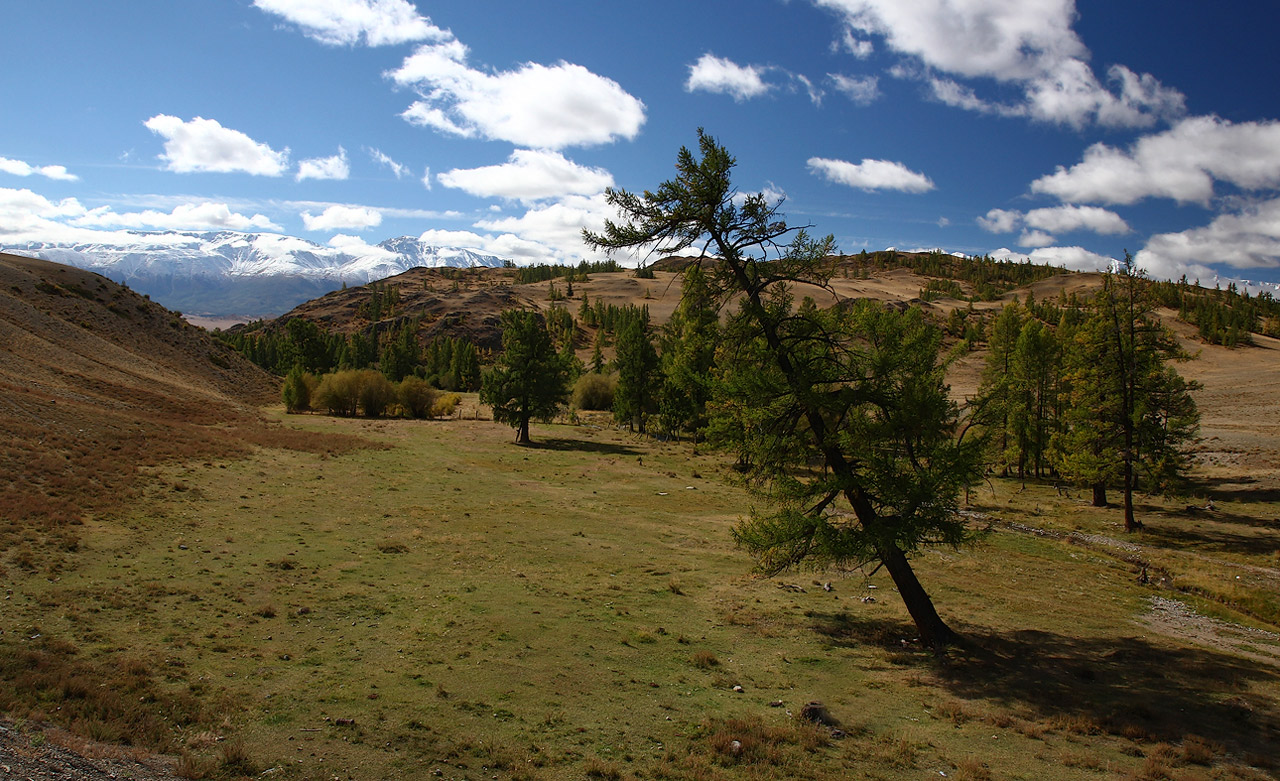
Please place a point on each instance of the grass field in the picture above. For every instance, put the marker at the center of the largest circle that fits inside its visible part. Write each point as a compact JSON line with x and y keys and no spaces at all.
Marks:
{"x":450,"y":605}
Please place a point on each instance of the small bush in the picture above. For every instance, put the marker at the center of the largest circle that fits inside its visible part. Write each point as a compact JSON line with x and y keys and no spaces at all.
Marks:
{"x":594,"y":392}
{"x":347,"y":392}
{"x":417,"y":397}
{"x":236,"y":759}
{"x":445,"y":404}
{"x":339,"y":393}
{"x":704,"y":660}
{"x":1199,"y":751}
{"x":376,"y":393}
{"x":296,"y":392}
{"x":972,"y":769}
{"x":595,"y":767}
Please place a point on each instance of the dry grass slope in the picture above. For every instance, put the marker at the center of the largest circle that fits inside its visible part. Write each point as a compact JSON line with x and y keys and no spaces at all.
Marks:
{"x":96,"y":382}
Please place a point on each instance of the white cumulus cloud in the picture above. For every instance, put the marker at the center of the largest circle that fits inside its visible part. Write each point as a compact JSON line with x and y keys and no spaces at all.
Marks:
{"x":334,"y":167}
{"x":1040,"y":224}
{"x":557,"y":225}
{"x":858,"y":47}
{"x":348,"y":22}
{"x":716,"y":74}
{"x":1072,"y":218}
{"x":339,"y":216}
{"x":1180,"y":163}
{"x":529,"y":175}
{"x":1000,"y":221}
{"x":354,"y":245}
{"x":871,"y":175}
{"x":204,"y":145}
{"x":207,"y":215}
{"x":1073,"y":258}
{"x":539,"y":106}
{"x":1028,"y":43}
{"x":1248,"y":238}
{"x":1035,"y":238}
{"x":20,"y":168}
{"x":26,"y":216}
{"x":21,"y":210}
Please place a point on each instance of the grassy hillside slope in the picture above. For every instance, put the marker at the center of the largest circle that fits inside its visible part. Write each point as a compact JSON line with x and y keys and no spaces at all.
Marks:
{"x":96,"y":381}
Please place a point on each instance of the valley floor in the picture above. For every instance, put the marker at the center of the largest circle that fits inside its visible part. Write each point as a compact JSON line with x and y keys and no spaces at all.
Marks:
{"x":448,"y":605}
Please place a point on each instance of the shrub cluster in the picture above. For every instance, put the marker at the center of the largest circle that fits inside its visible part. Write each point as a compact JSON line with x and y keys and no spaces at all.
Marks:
{"x":594,"y":392}
{"x":366,"y":392}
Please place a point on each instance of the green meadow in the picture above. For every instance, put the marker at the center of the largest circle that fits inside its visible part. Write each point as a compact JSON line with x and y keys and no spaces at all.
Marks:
{"x":444,"y":604}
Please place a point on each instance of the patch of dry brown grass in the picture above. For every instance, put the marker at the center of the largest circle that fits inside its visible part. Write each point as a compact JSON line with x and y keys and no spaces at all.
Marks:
{"x":117,"y":699}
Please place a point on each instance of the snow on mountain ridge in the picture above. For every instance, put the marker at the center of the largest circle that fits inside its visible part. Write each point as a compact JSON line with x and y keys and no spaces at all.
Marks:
{"x":229,"y":254}
{"x":226,"y":273}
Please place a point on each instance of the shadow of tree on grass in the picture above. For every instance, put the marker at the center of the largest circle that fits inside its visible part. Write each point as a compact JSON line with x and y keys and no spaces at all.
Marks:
{"x":1125,"y":686}
{"x":583,"y":446}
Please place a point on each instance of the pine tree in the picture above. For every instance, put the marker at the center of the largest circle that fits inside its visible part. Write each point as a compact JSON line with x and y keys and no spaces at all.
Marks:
{"x":296,"y":392}
{"x":688,"y":357}
{"x":636,"y":397}
{"x":402,"y":354}
{"x":854,"y":448}
{"x":529,"y":379}
{"x":597,"y":354}
{"x":1130,"y":412}
{"x":1034,"y":395}
{"x":996,"y":389}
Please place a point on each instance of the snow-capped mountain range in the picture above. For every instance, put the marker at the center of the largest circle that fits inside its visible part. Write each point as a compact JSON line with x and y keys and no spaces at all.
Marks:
{"x":227,"y":274}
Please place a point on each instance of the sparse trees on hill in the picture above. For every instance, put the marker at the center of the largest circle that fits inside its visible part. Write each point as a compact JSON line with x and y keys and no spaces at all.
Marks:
{"x":1086,"y":391}
{"x":530,"y":378}
{"x":853,"y":441}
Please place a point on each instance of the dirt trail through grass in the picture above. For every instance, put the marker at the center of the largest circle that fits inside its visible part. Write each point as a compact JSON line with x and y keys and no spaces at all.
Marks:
{"x":1174,"y":618}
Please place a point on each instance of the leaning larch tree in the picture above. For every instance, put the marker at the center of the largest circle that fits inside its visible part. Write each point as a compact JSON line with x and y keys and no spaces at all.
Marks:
{"x":841,"y":415}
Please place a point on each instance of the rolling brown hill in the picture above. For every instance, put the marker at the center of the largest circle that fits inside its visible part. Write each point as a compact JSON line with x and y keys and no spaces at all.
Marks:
{"x":1241,"y":438}
{"x":465,"y":303}
{"x":96,"y":382}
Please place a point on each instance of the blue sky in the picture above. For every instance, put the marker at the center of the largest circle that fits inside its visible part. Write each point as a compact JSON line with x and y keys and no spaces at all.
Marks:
{"x":1064,"y":131}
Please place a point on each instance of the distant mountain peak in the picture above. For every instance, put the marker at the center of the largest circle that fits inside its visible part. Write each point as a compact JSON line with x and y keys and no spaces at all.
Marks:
{"x":230,"y":273}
